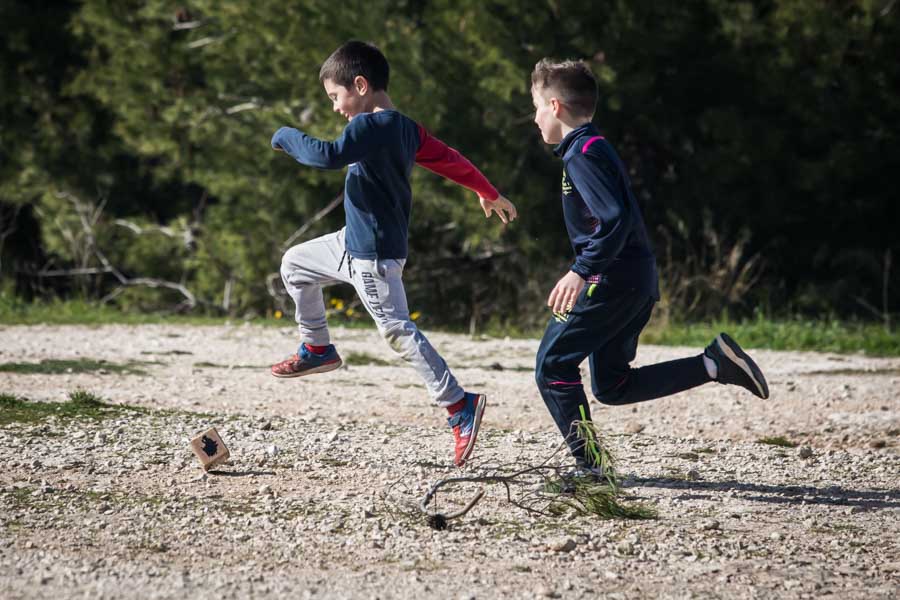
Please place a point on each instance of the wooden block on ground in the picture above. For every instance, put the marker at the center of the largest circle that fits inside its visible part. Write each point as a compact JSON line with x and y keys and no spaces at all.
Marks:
{"x":209,"y":448}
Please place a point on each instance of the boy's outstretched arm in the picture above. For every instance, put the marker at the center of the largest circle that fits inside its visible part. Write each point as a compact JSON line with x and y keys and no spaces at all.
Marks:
{"x":438,"y":157}
{"x":358,"y":140}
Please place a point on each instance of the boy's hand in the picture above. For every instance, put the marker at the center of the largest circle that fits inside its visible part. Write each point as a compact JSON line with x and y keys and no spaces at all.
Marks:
{"x":505,"y":209}
{"x":563,"y":296}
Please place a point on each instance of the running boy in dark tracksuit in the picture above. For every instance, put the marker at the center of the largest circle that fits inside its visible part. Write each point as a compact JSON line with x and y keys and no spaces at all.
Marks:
{"x":379,"y":147}
{"x":604,"y":301}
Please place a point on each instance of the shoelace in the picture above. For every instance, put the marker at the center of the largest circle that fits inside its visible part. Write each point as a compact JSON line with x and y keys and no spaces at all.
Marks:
{"x":455,"y":418}
{"x":465,"y":427}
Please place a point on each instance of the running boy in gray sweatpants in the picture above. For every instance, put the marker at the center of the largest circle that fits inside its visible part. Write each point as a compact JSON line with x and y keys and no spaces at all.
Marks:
{"x":380,"y":146}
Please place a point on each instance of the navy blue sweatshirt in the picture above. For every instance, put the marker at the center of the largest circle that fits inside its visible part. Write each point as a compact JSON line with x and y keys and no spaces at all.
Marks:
{"x":602,"y":216}
{"x":381,"y":149}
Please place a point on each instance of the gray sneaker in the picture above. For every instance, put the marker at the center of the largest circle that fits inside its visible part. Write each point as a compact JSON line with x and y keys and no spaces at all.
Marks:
{"x":735,"y":366}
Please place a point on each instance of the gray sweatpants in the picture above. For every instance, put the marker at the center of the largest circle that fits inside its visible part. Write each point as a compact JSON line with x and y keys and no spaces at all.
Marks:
{"x":307,"y":267}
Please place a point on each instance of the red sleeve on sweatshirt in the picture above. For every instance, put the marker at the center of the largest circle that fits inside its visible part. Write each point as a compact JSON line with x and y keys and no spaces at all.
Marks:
{"x":438,"y":157}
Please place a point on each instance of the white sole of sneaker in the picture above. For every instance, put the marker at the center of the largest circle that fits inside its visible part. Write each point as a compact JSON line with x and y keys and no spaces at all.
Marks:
{"x":479,"y":411}
{"x":320,"y":369}
{"x":745,"y":366}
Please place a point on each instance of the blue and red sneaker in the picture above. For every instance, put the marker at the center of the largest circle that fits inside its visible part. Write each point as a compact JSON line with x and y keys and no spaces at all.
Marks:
{"x":465,"y":419}
{"x":307,"y":362}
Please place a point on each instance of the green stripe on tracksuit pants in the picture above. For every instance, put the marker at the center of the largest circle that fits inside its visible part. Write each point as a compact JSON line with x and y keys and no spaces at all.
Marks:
{"x":603,"y":326}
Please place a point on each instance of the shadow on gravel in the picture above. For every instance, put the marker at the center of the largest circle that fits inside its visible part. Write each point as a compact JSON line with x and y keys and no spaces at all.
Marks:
{"x":776,"y":494}
{"x":241,"y":473}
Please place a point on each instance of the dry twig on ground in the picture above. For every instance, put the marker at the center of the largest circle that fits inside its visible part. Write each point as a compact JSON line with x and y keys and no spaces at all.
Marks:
{"x":553,"y":486}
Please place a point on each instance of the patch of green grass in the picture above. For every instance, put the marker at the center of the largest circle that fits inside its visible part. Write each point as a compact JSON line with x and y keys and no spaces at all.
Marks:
{"x":792,"y":334}
{"x":777,"y":440}
{"x":81,"y":405}
{"x":867,"y":372}
{"x":824,"y":335}
{"x":15,"y":311}
{"x":817,"y":335}
{"x":20,"y":495}
{"x":210,"y":365}
{"x":66,"y":500}
{"x":52,"y":366}
{"x":361,"y":358}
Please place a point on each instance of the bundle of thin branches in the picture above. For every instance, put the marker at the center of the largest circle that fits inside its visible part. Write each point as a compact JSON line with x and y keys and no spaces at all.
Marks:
{"x":553,"y":486}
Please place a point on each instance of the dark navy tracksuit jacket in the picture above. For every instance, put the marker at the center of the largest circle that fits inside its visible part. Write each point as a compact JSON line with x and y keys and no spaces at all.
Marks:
{"x":602,"y":216}
{"x":614,"y":256}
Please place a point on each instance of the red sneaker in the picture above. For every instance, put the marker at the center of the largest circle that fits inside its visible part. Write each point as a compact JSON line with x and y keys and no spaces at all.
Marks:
{"x":465,"y":423}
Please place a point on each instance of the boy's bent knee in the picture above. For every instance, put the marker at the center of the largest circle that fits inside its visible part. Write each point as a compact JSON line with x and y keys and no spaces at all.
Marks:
{"x":397,"y":334}
{"x":612,"y":389}
{"x":613,"y":397}
{"x":288,"y":264}
{"x":397,"y":329}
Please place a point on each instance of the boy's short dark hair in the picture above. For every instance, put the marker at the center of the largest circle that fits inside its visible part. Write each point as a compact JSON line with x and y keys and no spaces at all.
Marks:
{"x":571,"y":80}
{"x":357,"y":58}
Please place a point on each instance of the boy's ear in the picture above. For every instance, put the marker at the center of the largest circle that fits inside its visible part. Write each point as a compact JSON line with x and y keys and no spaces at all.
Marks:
{"x":361,"y":85}
{"x":556,"y":106}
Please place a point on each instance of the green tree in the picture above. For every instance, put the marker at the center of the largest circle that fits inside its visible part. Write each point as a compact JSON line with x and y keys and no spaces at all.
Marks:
{"x":758,"y":136}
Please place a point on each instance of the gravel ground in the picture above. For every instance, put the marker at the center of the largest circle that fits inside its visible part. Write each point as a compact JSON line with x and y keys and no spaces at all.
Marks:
{"x":316,"y":501}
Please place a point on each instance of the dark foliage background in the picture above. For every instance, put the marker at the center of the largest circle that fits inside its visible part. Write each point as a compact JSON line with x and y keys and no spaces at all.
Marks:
{"x":761,"y":137}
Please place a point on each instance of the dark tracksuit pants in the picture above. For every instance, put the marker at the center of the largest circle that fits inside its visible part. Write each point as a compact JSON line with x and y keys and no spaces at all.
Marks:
{"x":603,"y":326}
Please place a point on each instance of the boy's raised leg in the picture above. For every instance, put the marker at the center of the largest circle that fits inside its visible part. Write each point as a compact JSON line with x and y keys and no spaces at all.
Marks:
{"x":616,"y":383}
{"x":305,"y":268}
